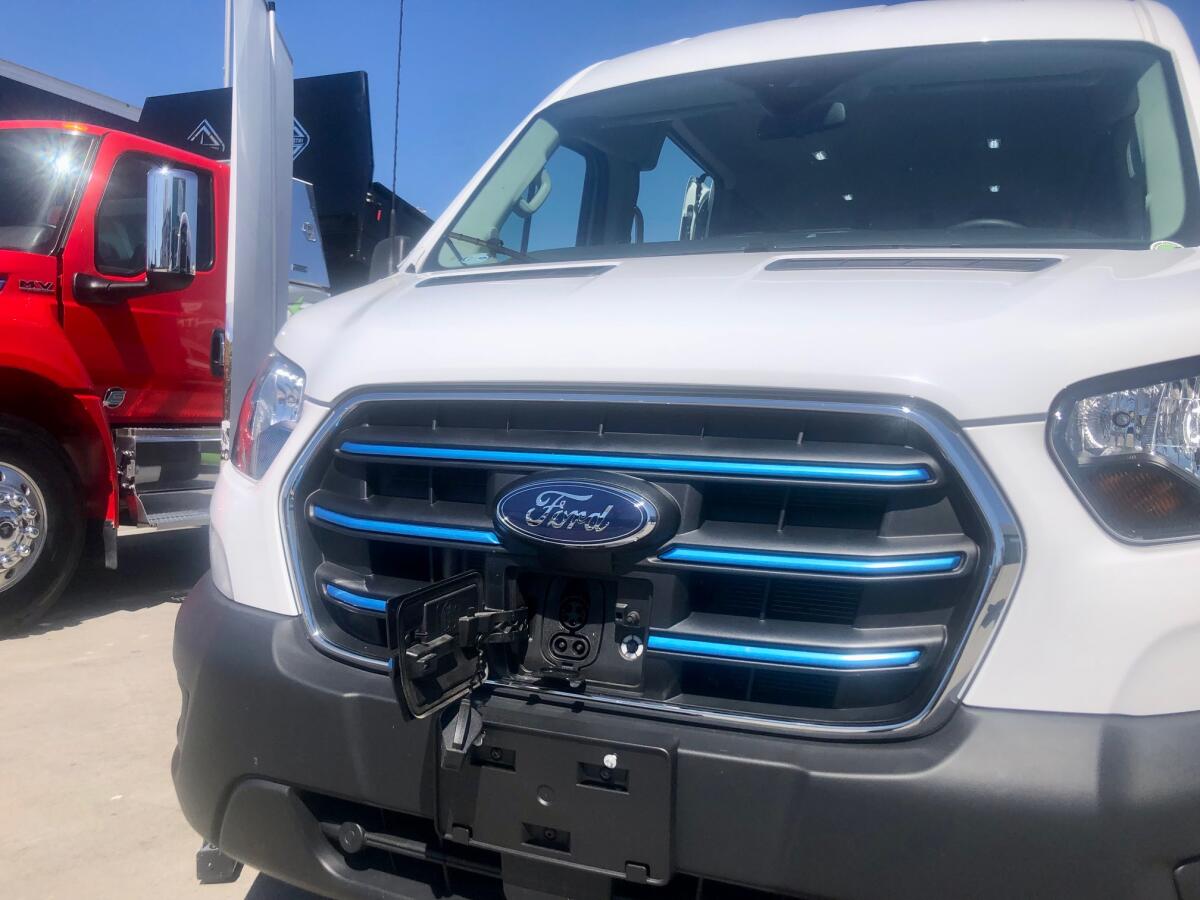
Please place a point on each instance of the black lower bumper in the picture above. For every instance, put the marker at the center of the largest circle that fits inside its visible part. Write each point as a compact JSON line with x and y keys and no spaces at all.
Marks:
{"x":995,"y":804}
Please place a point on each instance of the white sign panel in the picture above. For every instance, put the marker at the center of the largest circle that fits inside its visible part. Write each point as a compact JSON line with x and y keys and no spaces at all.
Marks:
{"x":259,"y":69}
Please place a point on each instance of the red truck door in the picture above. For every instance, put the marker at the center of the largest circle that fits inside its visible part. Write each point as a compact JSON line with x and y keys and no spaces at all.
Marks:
{"x":156,"y":347}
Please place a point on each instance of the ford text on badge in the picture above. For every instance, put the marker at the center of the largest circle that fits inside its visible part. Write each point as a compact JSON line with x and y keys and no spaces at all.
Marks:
{"x":576,"y":513}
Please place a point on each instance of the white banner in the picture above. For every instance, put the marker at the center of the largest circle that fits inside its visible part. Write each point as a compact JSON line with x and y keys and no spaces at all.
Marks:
{"x":259,"y":69}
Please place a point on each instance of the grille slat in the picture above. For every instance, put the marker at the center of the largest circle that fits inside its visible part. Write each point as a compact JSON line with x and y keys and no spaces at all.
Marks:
{"x":810,"y":547}
{"x":755,"y":459}
{"x":734,"y":630}
{"x":440,"y":512}
{"x":823,"y":541}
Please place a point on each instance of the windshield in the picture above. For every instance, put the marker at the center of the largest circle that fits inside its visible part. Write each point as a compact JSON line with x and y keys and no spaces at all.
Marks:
{"x":39,"y":170}
{"x":1031,"y":144}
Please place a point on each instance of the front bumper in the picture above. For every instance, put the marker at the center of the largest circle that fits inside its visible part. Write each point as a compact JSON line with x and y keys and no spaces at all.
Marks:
{"x":995,"y":804}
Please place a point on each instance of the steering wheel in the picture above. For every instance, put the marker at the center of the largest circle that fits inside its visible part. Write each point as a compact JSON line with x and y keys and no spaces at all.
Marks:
{"x":526,"y":208}
{"x":988,"y":223}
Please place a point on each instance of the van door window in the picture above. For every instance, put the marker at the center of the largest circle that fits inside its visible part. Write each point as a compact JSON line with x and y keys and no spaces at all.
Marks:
{"x":121,"y":219}
{"x":668,"y":196}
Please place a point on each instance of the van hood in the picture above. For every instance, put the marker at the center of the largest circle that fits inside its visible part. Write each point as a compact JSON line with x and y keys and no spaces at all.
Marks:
{"x":985,"y":336}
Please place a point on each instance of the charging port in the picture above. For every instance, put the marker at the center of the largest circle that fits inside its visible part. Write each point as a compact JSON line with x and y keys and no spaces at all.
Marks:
{"x":573,"y":609}
{"x":570,"y":647}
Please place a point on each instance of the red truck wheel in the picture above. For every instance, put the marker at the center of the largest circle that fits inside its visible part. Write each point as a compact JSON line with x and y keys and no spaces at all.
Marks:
{"x":41,"y":523}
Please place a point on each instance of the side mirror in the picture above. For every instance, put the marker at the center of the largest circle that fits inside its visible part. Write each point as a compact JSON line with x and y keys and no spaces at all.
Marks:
{"x":308,"y":273}
{"x":171,"y":219}
{"x":386,"y":257}
{"x":171,"y":197}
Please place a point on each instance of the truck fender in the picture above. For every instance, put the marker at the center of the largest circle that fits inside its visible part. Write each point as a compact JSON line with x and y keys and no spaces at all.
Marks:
{"x":43,"y":381}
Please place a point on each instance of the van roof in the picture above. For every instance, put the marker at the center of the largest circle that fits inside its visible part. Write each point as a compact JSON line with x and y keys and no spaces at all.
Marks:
{"x":924,"y":23}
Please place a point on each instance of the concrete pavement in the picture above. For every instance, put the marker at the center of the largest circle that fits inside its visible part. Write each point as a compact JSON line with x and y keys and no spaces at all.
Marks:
{"x":88,"y":703}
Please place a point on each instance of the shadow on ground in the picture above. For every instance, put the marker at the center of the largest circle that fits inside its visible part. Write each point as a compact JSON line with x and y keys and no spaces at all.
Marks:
{"x":89,"y":710}
{"x":154,"y":568}
{"x":265,"y":888}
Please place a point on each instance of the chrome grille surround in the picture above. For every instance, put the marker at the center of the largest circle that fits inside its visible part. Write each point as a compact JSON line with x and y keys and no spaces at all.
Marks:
{"x":1002,"y":564}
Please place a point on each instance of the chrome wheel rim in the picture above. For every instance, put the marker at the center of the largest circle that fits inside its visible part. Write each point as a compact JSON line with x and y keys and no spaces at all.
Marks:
{"x":22,"y":524}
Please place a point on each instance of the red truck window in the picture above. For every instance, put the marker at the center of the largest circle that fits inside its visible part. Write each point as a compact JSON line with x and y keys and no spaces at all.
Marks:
{"x":121,"y":218}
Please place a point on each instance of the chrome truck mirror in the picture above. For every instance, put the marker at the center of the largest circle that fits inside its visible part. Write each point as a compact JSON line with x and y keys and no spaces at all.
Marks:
{"x":170,"y":227}
{"x":171,"y":220}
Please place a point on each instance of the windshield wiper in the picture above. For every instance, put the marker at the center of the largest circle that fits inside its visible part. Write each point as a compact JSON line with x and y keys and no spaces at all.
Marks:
{"x":493,"y":244}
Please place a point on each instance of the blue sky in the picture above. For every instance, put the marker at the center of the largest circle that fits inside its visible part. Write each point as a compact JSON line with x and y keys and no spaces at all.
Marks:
{"x":472,"y":68}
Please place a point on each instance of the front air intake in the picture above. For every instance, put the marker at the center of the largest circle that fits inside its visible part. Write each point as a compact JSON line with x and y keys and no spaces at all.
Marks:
{"x":829,"y":574}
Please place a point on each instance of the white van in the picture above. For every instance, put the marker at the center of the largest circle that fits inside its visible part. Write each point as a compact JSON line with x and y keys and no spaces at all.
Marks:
{"x":776,"y":474}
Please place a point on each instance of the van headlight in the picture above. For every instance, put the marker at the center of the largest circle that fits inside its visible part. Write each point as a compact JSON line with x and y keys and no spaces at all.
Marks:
{"x":268,"y":415}
{"x":1130,"y":445}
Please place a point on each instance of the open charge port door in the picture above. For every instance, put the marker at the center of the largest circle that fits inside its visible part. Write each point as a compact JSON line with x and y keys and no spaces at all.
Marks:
{"x":588,"y":807}
{"x":438,"y":638}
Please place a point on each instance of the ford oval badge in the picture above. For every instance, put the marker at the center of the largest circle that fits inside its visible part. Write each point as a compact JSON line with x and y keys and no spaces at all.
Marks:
{"x":576,"y":513}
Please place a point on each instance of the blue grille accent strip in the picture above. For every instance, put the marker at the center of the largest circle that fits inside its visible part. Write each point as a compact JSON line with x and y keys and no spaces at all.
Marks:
{"x":824,"y":659}
{"x":673,"y":465}
{"x":835,"y":565}
{"x":358,"y":601}
{"x":407,"y":529}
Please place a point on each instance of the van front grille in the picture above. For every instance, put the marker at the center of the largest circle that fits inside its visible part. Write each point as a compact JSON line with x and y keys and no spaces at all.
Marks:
{"x":830,"y":567}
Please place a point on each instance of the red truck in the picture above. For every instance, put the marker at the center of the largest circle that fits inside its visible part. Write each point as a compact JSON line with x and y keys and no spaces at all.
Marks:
{"x":112,"y":305}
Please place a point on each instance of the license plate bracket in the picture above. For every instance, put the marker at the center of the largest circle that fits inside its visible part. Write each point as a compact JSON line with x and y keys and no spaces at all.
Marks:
{"x":591,"y":804}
